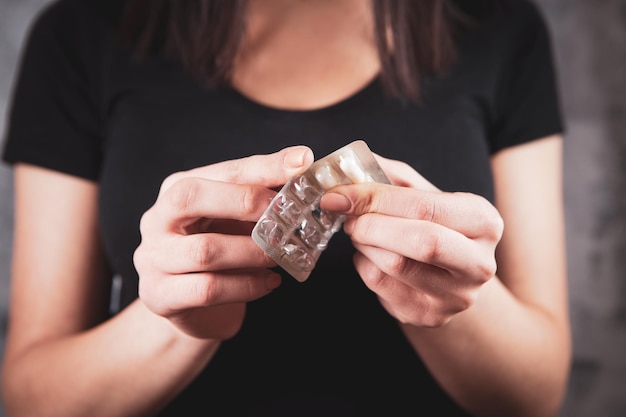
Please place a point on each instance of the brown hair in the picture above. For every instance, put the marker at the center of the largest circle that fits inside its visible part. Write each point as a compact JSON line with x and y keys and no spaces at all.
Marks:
{"x":413,"y":37}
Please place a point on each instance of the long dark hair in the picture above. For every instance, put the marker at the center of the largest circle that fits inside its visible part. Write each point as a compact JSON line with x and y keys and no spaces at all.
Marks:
{"x":414,"y":37}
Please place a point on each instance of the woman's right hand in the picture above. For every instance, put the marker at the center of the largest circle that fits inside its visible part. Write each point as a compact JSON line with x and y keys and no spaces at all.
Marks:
{"x":197,"y":264}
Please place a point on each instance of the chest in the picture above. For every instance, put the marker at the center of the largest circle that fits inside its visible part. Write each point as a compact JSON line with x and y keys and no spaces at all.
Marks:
{"x":305,"y":55}
{"x":159,"y":122}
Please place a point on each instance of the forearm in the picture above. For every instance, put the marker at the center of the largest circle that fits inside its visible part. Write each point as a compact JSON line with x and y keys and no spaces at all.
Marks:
{"x":131,"y":365}
{"x":499,"y":355}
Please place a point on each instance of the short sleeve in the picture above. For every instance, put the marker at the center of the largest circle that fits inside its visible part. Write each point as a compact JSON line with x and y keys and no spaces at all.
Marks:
{"x":54,"y":118}
{"x":526,"y":104}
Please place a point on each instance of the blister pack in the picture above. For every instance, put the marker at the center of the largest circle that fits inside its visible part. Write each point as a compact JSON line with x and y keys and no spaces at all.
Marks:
{"x":294,"y":230}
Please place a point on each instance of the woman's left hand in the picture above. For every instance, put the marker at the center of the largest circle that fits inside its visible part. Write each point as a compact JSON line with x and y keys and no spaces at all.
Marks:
{"x":424,"y":252}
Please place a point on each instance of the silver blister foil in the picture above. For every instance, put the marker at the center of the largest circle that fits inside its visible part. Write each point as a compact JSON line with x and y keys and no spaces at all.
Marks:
{"x":294,"y":230}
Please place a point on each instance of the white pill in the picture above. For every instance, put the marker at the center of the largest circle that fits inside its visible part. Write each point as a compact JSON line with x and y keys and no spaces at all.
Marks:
{"x":327,"y":177}
{"x":351,"y":168}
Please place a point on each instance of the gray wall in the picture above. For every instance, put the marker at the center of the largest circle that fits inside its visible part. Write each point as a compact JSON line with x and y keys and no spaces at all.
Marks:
{"x":590,"y":48}
{"x":590,"y":42}
{"x":14,"y":18}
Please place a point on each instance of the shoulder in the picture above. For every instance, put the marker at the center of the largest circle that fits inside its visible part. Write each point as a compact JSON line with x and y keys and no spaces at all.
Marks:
{"x":73,"y":32}
{"x":504,"y":18}
{"x":505,"y":30}
{"x":509,"y":10}
{"x":67,"y":17}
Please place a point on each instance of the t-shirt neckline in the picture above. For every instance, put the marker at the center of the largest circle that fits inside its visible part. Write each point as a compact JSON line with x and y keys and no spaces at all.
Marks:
{"x":350,"y":100}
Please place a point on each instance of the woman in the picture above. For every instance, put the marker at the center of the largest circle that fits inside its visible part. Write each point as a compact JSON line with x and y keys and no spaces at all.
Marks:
{"x":149,"y":136}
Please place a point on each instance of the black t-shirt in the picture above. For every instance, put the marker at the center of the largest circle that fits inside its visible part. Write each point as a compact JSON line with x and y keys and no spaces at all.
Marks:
{"x":325,"y":346}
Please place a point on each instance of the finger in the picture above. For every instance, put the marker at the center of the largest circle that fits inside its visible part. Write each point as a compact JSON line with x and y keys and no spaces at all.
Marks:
{"x":424,"y":242}
{"x":181,"y":292}
{"x":402,"y":301}
{"x":430,"y":300}
{"x":427,"y":278}
{"x":269,"y":170}
{"x":466,"y":213}
{"x":210,"y":252}
{"x":192,"y":198}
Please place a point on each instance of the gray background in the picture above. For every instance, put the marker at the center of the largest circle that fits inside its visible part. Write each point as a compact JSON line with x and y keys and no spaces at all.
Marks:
{"x":590,"y":49}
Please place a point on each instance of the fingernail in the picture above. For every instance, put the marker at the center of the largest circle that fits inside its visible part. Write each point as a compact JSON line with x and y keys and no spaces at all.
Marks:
{"x":273,"y":281}
{"x":337,"y":202}
{"x":296,"y":158}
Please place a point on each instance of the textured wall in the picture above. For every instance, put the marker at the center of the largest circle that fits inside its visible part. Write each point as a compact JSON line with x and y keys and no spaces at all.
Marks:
{"x":590,"y":43}
{"x":14,"y":18}
{"x":590,"y":48}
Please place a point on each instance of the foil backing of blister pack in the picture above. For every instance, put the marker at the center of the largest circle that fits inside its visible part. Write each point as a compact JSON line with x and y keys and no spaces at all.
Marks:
{"x":294,"y":230}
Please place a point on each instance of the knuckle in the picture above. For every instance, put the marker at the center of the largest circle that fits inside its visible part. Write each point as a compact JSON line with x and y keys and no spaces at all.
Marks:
{"x":204,"y":292}
{"x":234,"y":169}
{"x":171,"y":180}
{"x":374,"y":276}
{"x":202,"y":253}
{"x":465,"y":301}
{"x":361,"y":227}
{"x":138,"y":257}
{"x":495,"y":224}
{"x":486,"y":269}
{"x":435,"y":320}
{"x":427,"y":312}
{"x":492,"y":226}
{"x":144,"y":293}
{"x":365,"y":202}
{"x":254,"y":287}
{"x":426,"y":209}
{"x":146,"y":220}
{"x":149,"y":296}
{"x":428,"y":246}
{"x":472,"y":297}
{"x":249,"y":202}
{"x":396,"y":264}
{"x":143,"y":258}
{"x":440,"y":321}
{"x":143,"y":222}
{"x":460,"y":300}
{"x":181,"y":196}
{"x":439,"y":313}
{"x":492,"y":222}
{"x":405,"y":318}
